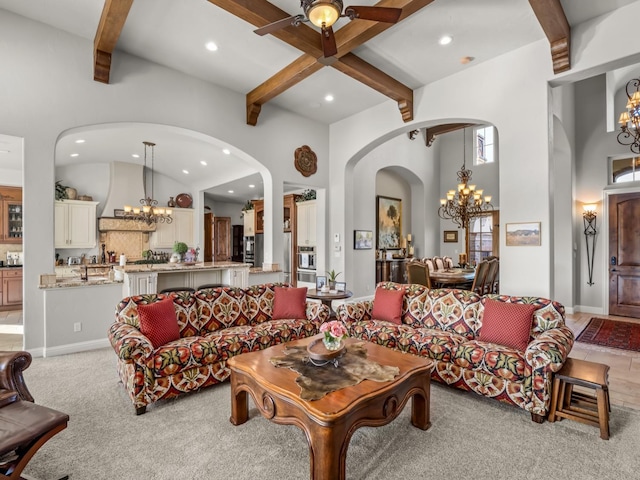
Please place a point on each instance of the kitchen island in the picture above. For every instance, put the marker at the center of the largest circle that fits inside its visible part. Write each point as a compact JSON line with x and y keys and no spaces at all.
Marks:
{"x":152,"y":278}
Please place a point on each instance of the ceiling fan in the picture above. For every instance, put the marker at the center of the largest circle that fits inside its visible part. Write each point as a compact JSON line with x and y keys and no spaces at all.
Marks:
{"x":324,"y":13}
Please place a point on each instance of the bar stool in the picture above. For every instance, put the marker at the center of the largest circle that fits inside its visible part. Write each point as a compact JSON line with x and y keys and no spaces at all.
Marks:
{"x":178,"y":289}
{"x":211,"y":285}
{"x":582,"y":407}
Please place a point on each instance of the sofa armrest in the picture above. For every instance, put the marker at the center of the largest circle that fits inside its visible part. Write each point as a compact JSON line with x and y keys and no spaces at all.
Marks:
{"x":355,"y":311}
{"x":317,"y":312}
{"x":12,"y":364}
{"x":129,"y":343}
{"x":549,"y":350}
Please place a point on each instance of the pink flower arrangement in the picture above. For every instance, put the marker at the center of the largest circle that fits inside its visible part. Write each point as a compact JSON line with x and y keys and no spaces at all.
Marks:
{"x":334,"y":330}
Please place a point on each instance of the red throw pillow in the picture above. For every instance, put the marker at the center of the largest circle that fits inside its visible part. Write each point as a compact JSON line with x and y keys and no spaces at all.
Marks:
{"x":289,"y":303}
{"x":507,"y":324}
{"x":158,"y":322}
{"x":387,"y":305}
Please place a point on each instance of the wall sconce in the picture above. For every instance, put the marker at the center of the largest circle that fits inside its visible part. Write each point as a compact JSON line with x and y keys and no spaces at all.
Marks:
{"x":589,"y":220}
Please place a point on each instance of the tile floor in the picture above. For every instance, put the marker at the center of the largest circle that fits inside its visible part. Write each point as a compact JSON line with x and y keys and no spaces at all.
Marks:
{"x":624,"y":374}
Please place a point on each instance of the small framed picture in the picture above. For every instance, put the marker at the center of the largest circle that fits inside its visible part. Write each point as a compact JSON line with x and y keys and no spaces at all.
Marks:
{"x":362,"y":239}
{"x":341,"y":286}
{"x":523,"y":234}
{"x":118,"y":213}
{"x":450,"y":236}
{"x":320,"y":282}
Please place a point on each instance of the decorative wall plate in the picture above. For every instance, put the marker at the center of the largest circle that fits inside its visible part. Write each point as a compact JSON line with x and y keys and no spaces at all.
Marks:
{"x":306,"y":161}
{"x":184,"y":200}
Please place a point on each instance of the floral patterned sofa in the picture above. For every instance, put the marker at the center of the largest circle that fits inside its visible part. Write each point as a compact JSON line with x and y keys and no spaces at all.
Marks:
{"x":445,"y":325}
{"x":214,"y":325}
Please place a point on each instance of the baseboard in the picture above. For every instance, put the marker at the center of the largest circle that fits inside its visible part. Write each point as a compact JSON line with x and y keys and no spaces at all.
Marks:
{"x":587,"y":309}
{"x":12,"y":329}
{"x":75,"y":347}
{"x":569,"y":310}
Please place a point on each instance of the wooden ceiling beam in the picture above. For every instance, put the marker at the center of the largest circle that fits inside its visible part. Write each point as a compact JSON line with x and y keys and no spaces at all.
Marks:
{"x":364,"y":72}
{"x":432,"y":132}
{"x":290,"y":75}
{"x":260,"y":13}
{"x":114,"y":15}
{"x":554,"y":22}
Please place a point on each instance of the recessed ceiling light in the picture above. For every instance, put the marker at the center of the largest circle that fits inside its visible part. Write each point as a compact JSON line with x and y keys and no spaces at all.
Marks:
{"x":211,"y":46}
{"x":252,"y":186}
{"x":328,"y":98}
{"x":465,"y":60}
{"x":80,"y":140}
{"x":135,"y":155}
{"x":186,"y":172}
{"x":229,"y":191}
{"x":202,"y":162}
{"x":445,"y":40}
{"x":226,"y":151}
{"x":75,"y":154}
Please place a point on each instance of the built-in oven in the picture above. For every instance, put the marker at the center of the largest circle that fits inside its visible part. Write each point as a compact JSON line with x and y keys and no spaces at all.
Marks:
{"x":306,"y":278}
{"x":249,"y":250}
{"x":306,"y":258}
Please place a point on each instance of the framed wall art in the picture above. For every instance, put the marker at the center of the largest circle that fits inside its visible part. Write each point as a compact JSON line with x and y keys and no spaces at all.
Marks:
{"x":523,"y":234}
{"x":389,"y":222}
{"x":362,"y":239}
{"x":450,"y":236}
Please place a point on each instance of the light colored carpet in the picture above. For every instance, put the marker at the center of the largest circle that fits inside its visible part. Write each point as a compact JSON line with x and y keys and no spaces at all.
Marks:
{"x":191,"y":437}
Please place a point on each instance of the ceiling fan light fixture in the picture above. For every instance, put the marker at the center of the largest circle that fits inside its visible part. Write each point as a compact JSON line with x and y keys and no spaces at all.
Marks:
{"x":322,"y":12}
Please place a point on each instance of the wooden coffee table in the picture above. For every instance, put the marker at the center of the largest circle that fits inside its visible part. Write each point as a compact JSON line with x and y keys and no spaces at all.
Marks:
{"x":330,"y":421}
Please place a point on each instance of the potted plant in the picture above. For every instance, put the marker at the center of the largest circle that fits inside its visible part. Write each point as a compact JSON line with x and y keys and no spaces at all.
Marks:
{"x":179,"y":249}
{"x":331,"y":277}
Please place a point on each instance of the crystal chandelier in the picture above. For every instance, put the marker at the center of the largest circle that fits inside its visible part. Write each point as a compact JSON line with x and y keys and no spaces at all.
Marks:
{"x":630,"y":120}
{"x":467,"y":202}
{"x":149,"y":212}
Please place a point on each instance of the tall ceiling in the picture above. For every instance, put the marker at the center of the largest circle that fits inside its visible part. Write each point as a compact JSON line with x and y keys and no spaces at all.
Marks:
{"x":174,"y":34}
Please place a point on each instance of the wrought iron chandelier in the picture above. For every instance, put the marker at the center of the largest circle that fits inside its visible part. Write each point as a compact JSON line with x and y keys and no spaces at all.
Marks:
{"x":467,"y":202}
{"x":149,"y":212}
{"x":630,"y":119}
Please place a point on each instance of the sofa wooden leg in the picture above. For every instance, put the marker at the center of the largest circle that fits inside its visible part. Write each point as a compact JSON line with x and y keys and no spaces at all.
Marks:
{"x":535,"y":417}
{"x":141,"y":410}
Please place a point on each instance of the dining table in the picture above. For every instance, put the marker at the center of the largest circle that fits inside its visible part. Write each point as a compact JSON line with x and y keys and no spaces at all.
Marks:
{"x":452,"y":277}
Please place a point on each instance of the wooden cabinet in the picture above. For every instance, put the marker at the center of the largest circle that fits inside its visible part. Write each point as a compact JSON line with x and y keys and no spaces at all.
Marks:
{"x":258,"y":208}
{"x":391,"y":271}
{"x":11,"y":290}
{"x":221,"y":239}
{"x":289,"y":212}
{"x":179,"y":230}
{"x":249,"y":223}
{"x":11,"y":215}
{"x":306,"y":223}
{"x":237,"y":243}
{"x":75,"y":224}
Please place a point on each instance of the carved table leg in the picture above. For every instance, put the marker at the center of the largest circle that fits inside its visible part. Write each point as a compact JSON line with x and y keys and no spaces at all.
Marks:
{"x":239,"y":403}
{"x":328,"y":452}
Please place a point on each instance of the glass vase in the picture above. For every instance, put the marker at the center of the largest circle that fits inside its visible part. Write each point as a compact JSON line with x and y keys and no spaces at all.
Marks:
{"x":332,"y":343}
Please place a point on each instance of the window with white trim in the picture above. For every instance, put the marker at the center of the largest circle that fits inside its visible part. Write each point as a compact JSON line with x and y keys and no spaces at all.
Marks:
{"x":624,"y":169}
{"x":484,"y":145}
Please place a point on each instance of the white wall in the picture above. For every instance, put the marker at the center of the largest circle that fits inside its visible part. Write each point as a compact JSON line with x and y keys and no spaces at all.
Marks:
{"x":39,"y":106}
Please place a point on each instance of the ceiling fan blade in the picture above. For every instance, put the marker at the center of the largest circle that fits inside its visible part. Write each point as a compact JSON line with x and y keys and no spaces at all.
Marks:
{"x":328,"y":40}
{"x":285,"y":22}
{"x":377,"y":14}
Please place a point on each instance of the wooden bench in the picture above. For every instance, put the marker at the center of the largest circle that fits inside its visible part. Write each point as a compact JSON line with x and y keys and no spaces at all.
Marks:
{"x":591,"y":409}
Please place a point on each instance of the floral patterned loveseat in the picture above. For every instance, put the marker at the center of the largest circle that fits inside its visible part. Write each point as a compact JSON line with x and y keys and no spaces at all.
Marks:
{"x":215,"y":324}
{"x":445,"y":324}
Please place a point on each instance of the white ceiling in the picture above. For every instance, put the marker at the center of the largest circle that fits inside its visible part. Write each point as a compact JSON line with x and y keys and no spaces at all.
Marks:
{"x":173,"y":33}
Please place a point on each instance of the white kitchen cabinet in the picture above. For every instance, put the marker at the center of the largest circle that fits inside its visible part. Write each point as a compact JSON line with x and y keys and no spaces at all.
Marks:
{"x":140,"y":283}
{"x":306,"y":223}
{"x":75,"y":224}
{"x":180,"y":230}
{"x":236,"y":277}
{"x":249,"y":223}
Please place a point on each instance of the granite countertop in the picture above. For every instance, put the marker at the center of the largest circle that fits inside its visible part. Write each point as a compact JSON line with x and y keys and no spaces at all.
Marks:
{"x":11,"y":268}
{"x":260,"y":270}
{"x":176,"y":267}
{"x":66,"y":282}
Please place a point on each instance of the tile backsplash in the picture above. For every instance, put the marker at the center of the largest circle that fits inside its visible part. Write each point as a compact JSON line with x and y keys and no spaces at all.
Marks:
{"x":7,"y":247}
{"x":130,"y":243}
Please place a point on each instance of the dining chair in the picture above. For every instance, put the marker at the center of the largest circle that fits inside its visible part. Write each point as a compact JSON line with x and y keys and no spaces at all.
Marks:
{"x":492,"y":271}
{"x":418,"y":272}
{"x":448,"y":262}
{"x":439,"y":263}
{"x":480,"y":277}
{"x":429,"y":263}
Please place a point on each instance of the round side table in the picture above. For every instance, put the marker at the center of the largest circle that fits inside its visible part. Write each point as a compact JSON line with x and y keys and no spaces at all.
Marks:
{"x":328,"y":297}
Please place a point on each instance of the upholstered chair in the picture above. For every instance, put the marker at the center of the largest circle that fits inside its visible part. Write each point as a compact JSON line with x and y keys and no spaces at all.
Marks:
{"x":439,"y":263}
{"x":418,"y":272}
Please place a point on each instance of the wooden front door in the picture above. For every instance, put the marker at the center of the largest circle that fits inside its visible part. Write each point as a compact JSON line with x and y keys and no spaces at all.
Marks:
{"x":624,"y":255}
{"x":221,"y":239}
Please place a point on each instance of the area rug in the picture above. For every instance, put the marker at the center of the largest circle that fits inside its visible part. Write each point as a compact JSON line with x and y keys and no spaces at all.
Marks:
{"x":191,"y":437}
{"x":612,"y":334}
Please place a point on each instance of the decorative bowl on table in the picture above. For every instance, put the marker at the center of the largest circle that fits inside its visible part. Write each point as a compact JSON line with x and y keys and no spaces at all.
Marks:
{"x":319,"y":355}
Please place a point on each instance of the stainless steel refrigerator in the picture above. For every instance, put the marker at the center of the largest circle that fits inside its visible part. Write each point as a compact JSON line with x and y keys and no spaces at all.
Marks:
{"x":258,"y":250}
{"x":288,"y":258}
